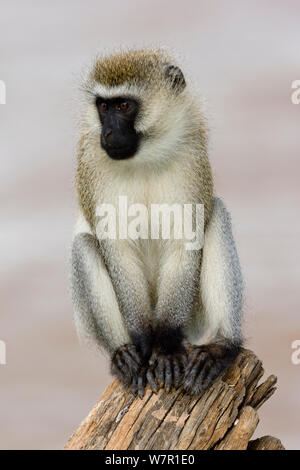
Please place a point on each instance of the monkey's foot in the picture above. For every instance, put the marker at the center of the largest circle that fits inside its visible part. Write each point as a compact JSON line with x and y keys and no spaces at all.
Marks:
{"x":126,"y":366}
{"x":166,"y":370}
{"x":206,"y":363}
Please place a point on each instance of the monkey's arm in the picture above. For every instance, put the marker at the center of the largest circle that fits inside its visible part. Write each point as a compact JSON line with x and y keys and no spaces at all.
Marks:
{"x":221,"y":289}
{"x":178,"y":287}
{"x":132,"y":291}
{"x":96,"y":308}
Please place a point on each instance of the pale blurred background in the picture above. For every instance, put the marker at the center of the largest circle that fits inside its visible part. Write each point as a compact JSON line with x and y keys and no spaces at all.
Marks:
{"x":243,"y":55}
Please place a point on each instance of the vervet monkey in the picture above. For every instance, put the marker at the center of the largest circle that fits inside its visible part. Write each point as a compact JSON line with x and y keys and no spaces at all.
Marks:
{"x":149,"y":302}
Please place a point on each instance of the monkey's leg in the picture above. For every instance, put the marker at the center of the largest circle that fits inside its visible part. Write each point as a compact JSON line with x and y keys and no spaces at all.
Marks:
{"x":97,"y":313}
{"x":127,"y":272}
{"x":178,"y":283}
{"x":221,"y":290}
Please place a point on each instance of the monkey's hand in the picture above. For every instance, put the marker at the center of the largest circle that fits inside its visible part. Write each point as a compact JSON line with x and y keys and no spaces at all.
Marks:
{"x":168,"y":361}
{"x":166,"y":370}
{"x":127,"y":366}
{"x":206,"y":363}
{"x":143,"y":343}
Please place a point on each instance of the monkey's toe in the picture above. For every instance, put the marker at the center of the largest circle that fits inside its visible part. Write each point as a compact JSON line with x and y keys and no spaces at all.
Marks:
{"x":137,"y":386}
{"x":168,"y":370}
{"x":125,"y":364}
{"x":205,"y":364}
{"x":199,"y":364}
{"x":151,"y":380}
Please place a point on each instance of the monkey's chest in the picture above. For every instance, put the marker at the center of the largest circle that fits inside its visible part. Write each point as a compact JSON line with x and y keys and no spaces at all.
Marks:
{"x":141,"y":211}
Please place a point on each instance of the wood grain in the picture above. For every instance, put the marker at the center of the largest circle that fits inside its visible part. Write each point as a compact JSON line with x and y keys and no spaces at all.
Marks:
{"x":224,"y":417}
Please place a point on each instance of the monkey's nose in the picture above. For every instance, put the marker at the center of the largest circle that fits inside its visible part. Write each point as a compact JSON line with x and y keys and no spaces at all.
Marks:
{"x":108,"y":133}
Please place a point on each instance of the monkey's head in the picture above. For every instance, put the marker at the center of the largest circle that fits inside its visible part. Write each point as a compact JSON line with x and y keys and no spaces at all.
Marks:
{"x":138,"y":105}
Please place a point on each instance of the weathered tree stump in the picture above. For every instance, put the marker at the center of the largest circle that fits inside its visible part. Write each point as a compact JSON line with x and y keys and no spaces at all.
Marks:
{"x":223,"y":417}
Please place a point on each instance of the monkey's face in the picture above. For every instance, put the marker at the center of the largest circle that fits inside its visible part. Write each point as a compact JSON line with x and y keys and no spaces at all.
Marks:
{"x":139,"y":103}
{"x":119,"y":138}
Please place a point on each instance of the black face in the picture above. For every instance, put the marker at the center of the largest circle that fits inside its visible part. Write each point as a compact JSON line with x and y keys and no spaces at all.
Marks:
{"x":118,"y":137}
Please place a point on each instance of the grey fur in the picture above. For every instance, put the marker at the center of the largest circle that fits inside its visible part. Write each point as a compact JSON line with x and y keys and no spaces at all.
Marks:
{"x":229,"y":270}
{"x":234,"y":278}
{"x":177,"y":293}
{"x":178,"y":301}
{"x":130,"y":284}
{"x":91,"y":316}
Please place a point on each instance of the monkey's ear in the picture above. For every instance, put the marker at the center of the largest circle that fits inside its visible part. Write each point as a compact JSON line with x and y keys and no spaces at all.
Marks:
{"x":176,"y":77}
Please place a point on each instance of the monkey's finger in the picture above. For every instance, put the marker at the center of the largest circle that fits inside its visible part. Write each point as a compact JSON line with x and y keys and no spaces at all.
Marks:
{"x":121,"y":366}
{"x":198,"y":384}
{"x":153,"y":360}
{"x":177,"y":374}
{"x":160,"y":371}
{"x":134,"y":355}
{"x":134,"y":386}
{"x":193,"y":383}
{"x":190,"y":377}
{"x":151,"y":381}
{"x":198,"y":361}
{"x":213,"y":372}
{"x":183,"y":360}
{"x":130,"y":359}
{"x":168,"y":375}
{"x":141,"y":386}
{"x":193,"y":358}
{"x":191,"y":363}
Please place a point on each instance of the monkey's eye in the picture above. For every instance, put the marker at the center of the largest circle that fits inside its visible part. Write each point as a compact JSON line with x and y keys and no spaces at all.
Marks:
{"x":124,"y":105}
{"x":103,"y":106}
